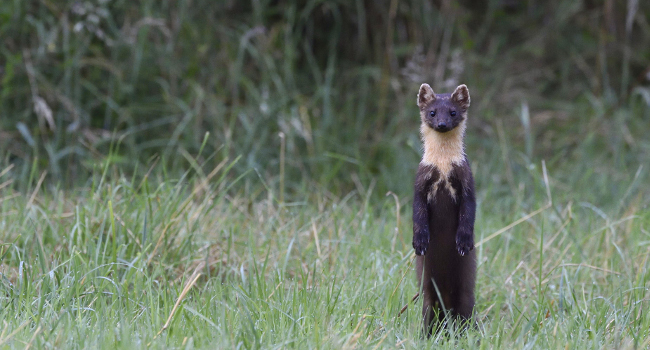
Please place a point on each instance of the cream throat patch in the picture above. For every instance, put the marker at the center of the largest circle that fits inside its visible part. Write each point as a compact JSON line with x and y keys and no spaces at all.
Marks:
{"x":443,"y":150}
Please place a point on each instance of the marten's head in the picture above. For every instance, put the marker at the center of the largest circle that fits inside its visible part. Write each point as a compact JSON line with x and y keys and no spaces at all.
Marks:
{"x":443,"y":112}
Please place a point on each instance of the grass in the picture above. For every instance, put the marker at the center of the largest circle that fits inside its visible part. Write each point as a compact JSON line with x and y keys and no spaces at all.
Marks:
{"x":116,"y":264}
{"x":74,"y":76}
{"x":148,"y":201}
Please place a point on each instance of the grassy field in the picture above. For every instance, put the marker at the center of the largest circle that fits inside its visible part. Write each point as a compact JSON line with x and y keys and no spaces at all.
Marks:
{"x":226,"y":174}
{"x":200,"y":262}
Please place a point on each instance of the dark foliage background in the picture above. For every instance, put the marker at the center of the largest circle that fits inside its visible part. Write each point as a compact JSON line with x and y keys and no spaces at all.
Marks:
{"x":85,"y":84}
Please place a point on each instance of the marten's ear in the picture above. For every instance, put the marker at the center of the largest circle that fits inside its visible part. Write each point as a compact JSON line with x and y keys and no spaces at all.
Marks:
{"x":425,"y":96}
{"x":461,"y":96}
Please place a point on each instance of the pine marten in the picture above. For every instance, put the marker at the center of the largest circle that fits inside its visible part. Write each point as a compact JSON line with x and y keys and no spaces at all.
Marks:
{"x":444,"y":208}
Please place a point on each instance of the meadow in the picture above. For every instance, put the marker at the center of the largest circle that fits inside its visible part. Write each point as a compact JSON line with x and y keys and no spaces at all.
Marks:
{"x":200,"y":174}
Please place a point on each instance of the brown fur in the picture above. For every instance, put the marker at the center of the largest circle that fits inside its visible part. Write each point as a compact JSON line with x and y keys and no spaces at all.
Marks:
{"x":444,"y":208}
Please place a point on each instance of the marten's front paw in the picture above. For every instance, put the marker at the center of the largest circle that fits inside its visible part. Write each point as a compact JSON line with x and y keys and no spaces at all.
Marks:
{"x":464,"y":243}
{"x":420,"y":244}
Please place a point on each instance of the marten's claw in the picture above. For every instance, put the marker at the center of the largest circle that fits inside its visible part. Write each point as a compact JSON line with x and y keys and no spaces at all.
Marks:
{"x":464,"y":244}
{"x":420,"y":245}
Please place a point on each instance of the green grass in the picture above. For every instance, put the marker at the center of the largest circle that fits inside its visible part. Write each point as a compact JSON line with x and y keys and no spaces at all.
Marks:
{"x":160,"y":160}
{"x":158,"y":75}
{"x":104,"y":265}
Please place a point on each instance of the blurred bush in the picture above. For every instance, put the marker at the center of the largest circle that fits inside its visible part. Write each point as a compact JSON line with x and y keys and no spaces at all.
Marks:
{"x":83,"y":83}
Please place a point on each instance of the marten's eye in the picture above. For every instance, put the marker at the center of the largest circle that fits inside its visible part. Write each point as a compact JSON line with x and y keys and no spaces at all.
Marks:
{"x":452,"y":113}
{"x":433,"y":113}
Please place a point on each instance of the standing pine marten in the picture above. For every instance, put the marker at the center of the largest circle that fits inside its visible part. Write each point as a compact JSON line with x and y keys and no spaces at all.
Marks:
{"x":444,"y":207}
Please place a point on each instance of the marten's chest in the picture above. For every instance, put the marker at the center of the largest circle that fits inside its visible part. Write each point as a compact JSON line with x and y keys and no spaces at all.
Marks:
{"x":443,"y":188}
{"x":443,"y":195}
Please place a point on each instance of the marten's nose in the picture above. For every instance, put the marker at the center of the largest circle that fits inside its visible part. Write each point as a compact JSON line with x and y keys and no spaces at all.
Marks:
{"x":442,"y":125}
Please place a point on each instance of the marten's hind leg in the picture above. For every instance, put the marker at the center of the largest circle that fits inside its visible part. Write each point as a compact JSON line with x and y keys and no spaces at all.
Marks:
{"x":464,"y":301}
{"x":465,"y":305}
{"x":429,"y":298}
